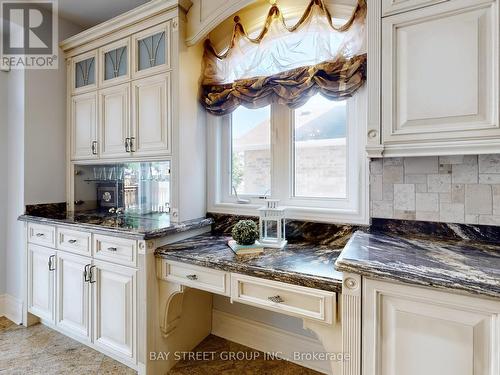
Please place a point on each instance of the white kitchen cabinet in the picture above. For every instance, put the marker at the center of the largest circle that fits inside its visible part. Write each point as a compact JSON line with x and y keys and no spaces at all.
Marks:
{"x":413,"y":331}
{"x":151,"y":50}
{"x":72,"y":290}
{"x":114,"y":121}
{"x":396,"y":6}
{"x":114,"y":303}
{"x":41,"y":271}
{"x":151,"y":116}
{"x":84,"y":144}
{"x":440,"y":78}
{"x":114,"y":63}
{"x":73,"y":314}
{"x":84,"y":72}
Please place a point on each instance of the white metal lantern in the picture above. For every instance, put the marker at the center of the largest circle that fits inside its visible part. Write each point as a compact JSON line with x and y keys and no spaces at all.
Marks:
{"x":272,"y":225}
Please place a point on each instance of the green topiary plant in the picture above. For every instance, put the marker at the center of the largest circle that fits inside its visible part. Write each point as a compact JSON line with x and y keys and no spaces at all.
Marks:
{"x":245,"y":232}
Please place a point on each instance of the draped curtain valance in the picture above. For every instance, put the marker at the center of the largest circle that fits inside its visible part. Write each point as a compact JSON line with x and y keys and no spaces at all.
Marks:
{"x":285,"y":64}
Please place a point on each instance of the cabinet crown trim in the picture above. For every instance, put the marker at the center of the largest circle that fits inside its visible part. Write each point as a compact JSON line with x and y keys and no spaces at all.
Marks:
{"x":148,"y":10}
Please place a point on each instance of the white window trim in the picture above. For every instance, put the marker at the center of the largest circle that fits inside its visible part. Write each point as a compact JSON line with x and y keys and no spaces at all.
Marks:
{"x":353,"y":210}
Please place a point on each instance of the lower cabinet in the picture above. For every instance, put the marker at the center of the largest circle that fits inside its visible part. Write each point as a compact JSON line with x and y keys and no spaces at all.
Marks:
{"x":41,"y":268}
{"x":73,"y":295}
{"x":413,"y":331}
{"x":114,"y":308}
{"x":88,"y":299}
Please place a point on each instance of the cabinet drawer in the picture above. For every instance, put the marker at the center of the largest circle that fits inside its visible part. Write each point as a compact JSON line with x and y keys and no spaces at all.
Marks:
{"x":115,"y":250}
{"x":44,"y":235}
{"x":284,"y":298}
{"x":74,"y":241}
{"x":397,"y":6}
{"x":196,"y":277}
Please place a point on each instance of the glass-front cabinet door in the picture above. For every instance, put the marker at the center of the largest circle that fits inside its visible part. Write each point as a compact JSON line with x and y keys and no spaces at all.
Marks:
{"x":152,"y":50}
{"x":115,"y":63}
{"x":84,"y":72}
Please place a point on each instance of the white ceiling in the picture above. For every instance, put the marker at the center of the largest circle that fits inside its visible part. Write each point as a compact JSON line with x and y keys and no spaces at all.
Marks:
{"x":88,"y":13}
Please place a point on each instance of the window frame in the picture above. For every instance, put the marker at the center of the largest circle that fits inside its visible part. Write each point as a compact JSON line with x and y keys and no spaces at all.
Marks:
{"x":226,"y":163}
{"x":352,"y":209}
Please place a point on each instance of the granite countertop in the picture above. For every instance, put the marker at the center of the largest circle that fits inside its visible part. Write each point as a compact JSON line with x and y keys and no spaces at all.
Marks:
{"x":131,"y":226}
{"x":461,"y":265}
{"x":302,"y":264}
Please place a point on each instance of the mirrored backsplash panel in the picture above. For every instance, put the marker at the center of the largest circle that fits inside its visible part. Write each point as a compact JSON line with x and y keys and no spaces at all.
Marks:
{"x":135,"y":188}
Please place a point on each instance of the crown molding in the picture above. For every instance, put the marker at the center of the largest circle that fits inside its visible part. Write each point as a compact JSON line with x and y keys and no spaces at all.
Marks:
{"x":148,"y":10}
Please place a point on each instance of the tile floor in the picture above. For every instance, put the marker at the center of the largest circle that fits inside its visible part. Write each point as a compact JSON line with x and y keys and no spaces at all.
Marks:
{"x":227,"y":367}
{"x":41,"y":350}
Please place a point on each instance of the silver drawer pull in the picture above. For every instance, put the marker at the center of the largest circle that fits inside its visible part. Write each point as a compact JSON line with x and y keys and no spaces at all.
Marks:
{"x":40,"y":234}
{"x":112,"y":249}
{"x":192,"y":277}
{"x":276,"y":299}
{"x":72,"y":241}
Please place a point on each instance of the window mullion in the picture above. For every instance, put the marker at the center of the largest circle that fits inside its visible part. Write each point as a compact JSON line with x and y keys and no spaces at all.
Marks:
{"x":280,"y":122}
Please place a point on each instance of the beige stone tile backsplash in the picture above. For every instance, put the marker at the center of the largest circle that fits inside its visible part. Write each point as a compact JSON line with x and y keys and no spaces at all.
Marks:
{"x":455,"y":189}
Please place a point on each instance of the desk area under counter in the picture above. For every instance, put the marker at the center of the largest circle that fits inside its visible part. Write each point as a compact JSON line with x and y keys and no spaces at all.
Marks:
{"x":299,"y":280}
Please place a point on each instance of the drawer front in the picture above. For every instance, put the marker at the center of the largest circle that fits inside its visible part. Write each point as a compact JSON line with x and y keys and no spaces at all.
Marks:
{"x":197,"y":277}
{"x":44,"y":235}
{"x":397,"y":6}
{"x":74,"y":241}
{"x":284,"y":298}
{"x":115,"y":250}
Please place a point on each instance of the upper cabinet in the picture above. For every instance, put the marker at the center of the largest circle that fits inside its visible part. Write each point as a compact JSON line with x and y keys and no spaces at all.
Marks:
{"x":439,"y":77}
{"x":114,"y":63}
{"x":397,"y":6}
{"x":152,"y":50}
{"x":84,"y":72}
{"x":151,"y":116}
{"x":83,"y":130}
{"x":106,"y":121}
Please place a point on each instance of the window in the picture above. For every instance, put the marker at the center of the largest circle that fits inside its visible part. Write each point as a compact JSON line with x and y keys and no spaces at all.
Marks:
{"x":251,"y":151}
{"x":319,"y":145}
{"x":311,"y":158}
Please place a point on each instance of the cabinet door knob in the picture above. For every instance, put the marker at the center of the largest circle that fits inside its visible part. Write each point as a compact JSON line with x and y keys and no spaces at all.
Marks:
{"x":40,"y":234}
{"x":112,"y":249}
{"x":72,"y":241}
{"x":192,"y":277}
{"x":276,"y":299}
{"x":127,"y":144}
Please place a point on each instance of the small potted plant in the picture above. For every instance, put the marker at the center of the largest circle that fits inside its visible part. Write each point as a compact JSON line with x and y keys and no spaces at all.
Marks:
{"x":245,"y":234}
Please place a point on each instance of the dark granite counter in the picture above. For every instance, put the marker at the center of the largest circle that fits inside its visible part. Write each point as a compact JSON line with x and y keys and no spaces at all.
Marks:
{"x":130,"y":226}
{"x":461,"y":265}
{"x":303,"y":263}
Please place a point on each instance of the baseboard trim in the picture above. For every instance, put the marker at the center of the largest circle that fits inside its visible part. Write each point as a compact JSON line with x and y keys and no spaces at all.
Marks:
{"x":11,"y":308}
{"x":267,"y":339}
